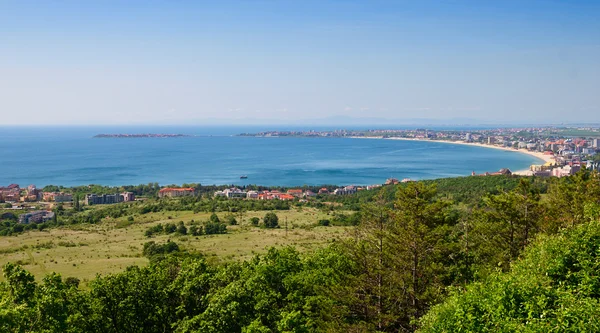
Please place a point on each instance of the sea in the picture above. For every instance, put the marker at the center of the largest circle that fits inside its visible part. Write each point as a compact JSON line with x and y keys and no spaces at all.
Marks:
{"x":71,"y":156}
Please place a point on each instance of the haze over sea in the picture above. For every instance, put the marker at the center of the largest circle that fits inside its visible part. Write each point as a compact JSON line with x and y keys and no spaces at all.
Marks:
{"x":71,"y":156}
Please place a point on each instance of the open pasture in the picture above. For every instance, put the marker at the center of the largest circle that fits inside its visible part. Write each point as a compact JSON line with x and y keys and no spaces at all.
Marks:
{"x":85,"y":250}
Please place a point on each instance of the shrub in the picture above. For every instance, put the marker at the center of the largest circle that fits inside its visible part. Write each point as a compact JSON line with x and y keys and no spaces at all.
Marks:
{"x":181,"y":229}
{"x":211,"y":228}
{"x":152,"y":248}
{"x":195,"y":230}
{"x":271,"y":220}
{"x":324,"y":222}
{"x":170,"y":228}
{"x":231,"y":220}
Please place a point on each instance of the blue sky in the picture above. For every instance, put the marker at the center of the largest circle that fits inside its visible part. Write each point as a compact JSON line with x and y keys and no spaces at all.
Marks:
{"x":184,"y":62}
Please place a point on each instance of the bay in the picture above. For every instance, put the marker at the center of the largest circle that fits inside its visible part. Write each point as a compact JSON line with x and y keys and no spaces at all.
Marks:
{"x":71,"y":156}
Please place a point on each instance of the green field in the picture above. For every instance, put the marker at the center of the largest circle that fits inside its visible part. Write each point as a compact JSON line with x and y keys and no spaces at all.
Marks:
{"x":85,"y":250}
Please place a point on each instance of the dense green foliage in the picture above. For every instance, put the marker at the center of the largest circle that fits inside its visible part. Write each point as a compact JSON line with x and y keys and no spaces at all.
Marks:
{"x":473,"y":254}
{"x":271,"y":220}
{"x":555,"y":287}
{"x":278,"y":292}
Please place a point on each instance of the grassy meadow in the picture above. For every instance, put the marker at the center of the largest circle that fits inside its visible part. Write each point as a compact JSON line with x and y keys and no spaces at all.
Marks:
{"x":85,"y":250}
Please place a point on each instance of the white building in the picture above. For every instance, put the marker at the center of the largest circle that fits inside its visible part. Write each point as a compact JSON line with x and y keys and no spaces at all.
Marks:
{"x":351,"y":189}
{"x":234,"y":192}
{"x":565,"y":171}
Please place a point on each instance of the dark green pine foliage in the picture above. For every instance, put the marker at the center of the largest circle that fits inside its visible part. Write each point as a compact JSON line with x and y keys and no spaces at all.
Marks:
{"x":399,"y":255}
{"x":555,"y":287}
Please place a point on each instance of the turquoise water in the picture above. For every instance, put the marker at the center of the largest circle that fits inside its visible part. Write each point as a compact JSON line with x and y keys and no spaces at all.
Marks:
{"x":70,"y":156}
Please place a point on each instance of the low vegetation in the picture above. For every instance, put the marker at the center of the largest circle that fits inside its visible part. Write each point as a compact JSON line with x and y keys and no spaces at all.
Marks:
{"x":420,"y":256}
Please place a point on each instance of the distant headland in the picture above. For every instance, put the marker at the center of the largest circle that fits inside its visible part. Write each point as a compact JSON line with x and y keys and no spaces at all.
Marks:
{"x":147,"y":135}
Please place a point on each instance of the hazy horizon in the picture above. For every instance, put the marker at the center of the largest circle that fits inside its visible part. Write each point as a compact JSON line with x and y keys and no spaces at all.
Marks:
{"x":307,"y":63}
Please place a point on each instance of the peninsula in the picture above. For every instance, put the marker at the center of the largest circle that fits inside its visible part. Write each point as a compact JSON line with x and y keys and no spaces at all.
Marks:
{"x":147,"y":135}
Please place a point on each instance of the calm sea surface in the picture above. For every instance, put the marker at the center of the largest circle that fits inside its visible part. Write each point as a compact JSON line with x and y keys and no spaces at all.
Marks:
{"x":70,"y":156}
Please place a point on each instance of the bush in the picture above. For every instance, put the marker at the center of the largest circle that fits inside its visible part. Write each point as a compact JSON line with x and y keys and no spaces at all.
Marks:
{"x":181,"y":229}
{"x":170,"y":228}
{"x":152,"y":248}
{"x":231,"y":220}
{"x":72,"y":281}
{"x":255,"y":220}
{"x":157,"y":229}
{"x":195,"y":230}
{"x":211,"y":228}
{"x":271,"y":220}
{"x":324,"y":222}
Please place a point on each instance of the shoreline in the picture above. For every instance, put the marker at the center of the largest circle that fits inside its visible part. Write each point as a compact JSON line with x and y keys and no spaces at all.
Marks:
{"x":524,"y":172}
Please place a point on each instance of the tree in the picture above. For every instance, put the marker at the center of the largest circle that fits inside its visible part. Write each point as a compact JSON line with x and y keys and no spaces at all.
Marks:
{"x":21,"y":283}
{"x":195,"y":230}
{"x":568,"y":197}
{"x":506,"y":224}
{"x":181,"y":229}
{"x":213,"y":228}
{"x":271,"y":220}
{"x":397,"y":251}
{"x":170,"y":228}
{"x":76,"y":203}
{"x":231,"y":220}
{"x":554,"y":287}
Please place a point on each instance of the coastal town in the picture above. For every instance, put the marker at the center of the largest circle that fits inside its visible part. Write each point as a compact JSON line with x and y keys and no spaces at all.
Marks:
{"x":561,"y":151}
{"x":560,"y":155}
{"x":37,"y":205}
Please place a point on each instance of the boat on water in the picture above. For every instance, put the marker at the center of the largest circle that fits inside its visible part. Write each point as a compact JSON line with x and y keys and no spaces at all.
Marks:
{"x":243,"y":177}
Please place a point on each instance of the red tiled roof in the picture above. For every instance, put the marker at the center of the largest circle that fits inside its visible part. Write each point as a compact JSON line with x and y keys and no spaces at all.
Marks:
{"x":171,"y":189}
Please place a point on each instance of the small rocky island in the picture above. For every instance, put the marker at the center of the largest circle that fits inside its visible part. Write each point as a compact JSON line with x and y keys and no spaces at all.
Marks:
{"x":148,"y":135}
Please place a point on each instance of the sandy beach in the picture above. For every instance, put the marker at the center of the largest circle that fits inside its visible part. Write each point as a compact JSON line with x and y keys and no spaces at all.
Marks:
{"x":526,"y":172}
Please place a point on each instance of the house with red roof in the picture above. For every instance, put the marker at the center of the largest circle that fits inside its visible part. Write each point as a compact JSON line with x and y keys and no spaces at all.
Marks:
{"x":295,"y":192}
{"x":172,"y":192}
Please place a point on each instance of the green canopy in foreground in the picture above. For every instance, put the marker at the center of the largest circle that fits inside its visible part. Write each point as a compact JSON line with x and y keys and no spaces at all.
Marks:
{"x":554,"y":287}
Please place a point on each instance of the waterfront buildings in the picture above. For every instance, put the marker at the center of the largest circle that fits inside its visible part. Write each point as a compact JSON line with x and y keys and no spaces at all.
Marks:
{"x":566,"y":170}
{"x":231,"y":193}
{"x":275,"y":195}
{"x":57,"y":197}
{"x":103,"y":199}
{"x":295,"y":192}
{"x":501,"y":172}
{"x":128,"y":196}
{"x":309,"y":194}
{"x":171,"y":192}
{"x":351,"y":189}
{"x":10,"y":193}
{"x":36,"y":217}
{"x":106,"y":199}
